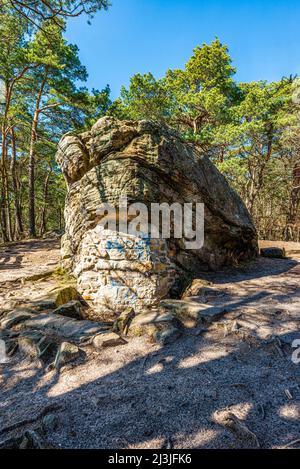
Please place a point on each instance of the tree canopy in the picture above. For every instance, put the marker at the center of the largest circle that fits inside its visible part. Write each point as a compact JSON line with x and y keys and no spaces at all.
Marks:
{"x":250,"y":130}
{"x":37,"y":11}
{"x":43,"y":97}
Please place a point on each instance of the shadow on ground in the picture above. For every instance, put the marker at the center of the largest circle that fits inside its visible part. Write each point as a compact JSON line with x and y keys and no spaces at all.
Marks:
{"x":145,"y":396}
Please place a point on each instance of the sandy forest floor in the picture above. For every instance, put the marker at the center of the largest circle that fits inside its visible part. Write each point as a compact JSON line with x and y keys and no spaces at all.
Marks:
{"x":141,"y":395}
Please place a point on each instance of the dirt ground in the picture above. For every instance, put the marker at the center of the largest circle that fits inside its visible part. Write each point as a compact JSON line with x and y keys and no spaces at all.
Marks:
{"x":141,"y":395}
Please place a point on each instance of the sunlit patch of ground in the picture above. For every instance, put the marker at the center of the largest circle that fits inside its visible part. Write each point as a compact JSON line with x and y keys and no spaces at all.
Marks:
{"x":143,"y":396}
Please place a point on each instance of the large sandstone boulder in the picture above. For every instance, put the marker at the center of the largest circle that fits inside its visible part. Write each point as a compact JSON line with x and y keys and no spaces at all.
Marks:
{"x":148,"y":163}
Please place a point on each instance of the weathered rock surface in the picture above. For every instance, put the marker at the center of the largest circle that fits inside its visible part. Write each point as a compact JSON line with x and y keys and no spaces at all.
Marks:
{"x":110,"y":339}
{"x":159,"y":325}
{"x":198,"y":287}
{"x":66,"y":353}
{"x":186,"y":310}
{"x":72,"y":310}
{"x":147,"y":163}
{"x":64,"y":327}
{"x":122,"y":324}
{"x":65,"y":295}
{"x":167,"y":336}
{"x":30,"y":344}
{"x":15,"y":317}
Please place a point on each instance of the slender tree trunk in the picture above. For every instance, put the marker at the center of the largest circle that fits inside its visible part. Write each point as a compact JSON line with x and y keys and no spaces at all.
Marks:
{"x":294,"y":202}
{"x":31,"y":180}
{"x":259,"y":173}
{"x":3,"y":210}
{"x":8,"y":211}
{"x":5,"y":213}
{"x":222,"y":154}
{"x":19,"y":229}
{"x":195,"y":126}
{"x":294,"y":205}
{"x":43,"y":227}
{"x":31,"y":162}
{"x":4,"y":192}
{"x":250,"y":197}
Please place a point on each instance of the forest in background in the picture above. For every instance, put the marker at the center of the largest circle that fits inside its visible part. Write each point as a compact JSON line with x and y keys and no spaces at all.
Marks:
{"x":249,"y":130}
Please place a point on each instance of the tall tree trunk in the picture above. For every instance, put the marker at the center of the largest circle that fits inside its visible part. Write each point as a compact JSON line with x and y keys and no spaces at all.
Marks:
{"x":257,"y":179}
{"x":8,"y":211}
{"x":31,"y":180}
{"x":43,"y":227}
{"x":294,"y":203}
{"x":294,"y":196}
{"x":31,"y":162}
{"x":5,"y":213}
{"x":4,"y":195}
{"x":3,"y":206}
{"x":19,"y":229}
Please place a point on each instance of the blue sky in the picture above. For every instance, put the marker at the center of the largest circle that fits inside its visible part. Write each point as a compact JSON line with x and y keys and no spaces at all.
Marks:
{"x":154,"y":35}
